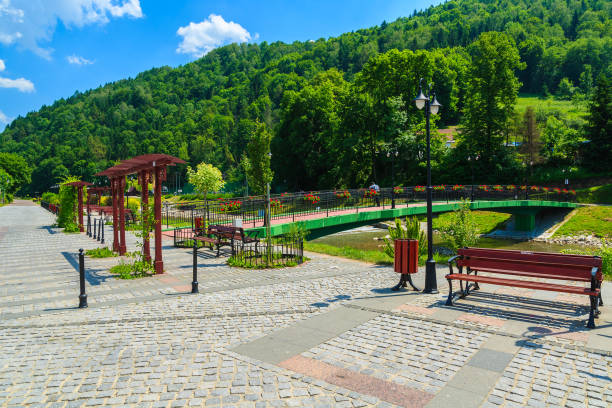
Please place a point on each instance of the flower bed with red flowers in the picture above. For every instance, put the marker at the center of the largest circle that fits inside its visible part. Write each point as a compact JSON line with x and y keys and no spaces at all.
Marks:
{"x":510,"y":187}
{"x":343,"y":194}
{"x":535,"y":188}
{"x":419,"y":188}
{"x":523,"y":188}
{"x":483,"y":187}
{"x":398,"y":190}
{"x":556,"y":190}
{"x":497,"y":187}
{"x":440,"y":187}
{"x":458,"y":187}
{"x":229,"y":206}
{"x":275,"y":203}
{"x":370,"y":193}
{"x":311,"y":198}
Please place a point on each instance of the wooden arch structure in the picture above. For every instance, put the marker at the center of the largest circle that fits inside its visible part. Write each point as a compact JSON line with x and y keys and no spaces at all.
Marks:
{"x":147,"y":167}
{"x":79,"y":186}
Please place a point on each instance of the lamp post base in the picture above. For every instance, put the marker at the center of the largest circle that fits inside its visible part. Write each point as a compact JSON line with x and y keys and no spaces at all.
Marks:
{"x":431,"y":284}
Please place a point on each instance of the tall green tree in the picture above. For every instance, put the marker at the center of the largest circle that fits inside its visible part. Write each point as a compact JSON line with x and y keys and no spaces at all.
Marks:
{"x":598,"y":152}
{"x":205,"y":178}
{"x":16,"y":167}
{"x":259,"y":172}
{"x":490,"y":96}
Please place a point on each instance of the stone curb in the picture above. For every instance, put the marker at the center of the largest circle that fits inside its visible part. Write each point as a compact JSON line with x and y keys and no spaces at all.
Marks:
{"x":163,"y":319}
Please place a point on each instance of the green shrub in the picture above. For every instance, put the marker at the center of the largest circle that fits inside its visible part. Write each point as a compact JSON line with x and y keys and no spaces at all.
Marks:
{"x":50,"y":197}
{"x":133,"y":204}
{"x":412,"y":230}
{"x":461,"y":231}
{"x":100,"y":253}
{"x":68,"y":206}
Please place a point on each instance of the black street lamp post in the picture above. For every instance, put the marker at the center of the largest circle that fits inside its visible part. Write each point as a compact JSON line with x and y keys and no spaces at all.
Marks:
{"x":469,"y":159}
{"x":393,"y":153}
{"x":431,"y":107}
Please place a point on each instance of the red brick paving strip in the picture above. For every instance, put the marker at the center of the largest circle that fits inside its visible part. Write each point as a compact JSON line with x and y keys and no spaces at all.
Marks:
{"x":487,"y":320}
{"x":361,"y":383}
{"x":416,"y":309}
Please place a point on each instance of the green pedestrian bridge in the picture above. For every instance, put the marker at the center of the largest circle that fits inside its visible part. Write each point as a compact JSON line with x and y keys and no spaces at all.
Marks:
{"x":320,"y":224}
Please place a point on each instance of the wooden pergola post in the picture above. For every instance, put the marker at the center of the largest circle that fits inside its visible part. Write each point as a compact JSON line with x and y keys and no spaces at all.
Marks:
{"x":113,"y":182}
{"x":120,"y":190}
{"x":144,"y":200}
{"x":159,"y":263}
{"x":80,"y":198}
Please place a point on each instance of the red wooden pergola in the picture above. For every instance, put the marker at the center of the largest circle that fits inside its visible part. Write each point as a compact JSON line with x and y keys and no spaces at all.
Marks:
{"x":79,"y":186}
{"x":97,"y":192}
{"x":146,"y":166}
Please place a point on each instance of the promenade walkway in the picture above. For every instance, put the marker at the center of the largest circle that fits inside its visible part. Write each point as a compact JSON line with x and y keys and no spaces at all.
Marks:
{"x":326,"y":334}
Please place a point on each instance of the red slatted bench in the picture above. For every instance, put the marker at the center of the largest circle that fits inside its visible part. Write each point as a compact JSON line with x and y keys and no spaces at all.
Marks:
{"x":574,"y":268}
{"x":223,"y":235}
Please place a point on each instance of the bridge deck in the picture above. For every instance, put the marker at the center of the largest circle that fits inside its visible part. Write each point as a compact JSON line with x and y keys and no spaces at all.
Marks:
{"x":356,"y":216}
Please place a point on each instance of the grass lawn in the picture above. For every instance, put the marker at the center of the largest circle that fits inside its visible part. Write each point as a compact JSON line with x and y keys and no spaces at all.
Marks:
{"x":486,"y":221}
{"x":588,"y":220}
{"x":595,"y":195}
{"x":572,"y":110}
{"x":371,"y":256}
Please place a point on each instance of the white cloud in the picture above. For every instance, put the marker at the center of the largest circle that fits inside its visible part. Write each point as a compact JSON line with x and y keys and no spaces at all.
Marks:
{"x":2,"y":66}
{"x":4,"y":118}
{"x":22,"y":84}
{"x":77,"y":60}
{"x":201,"y":38}
{"x":28,"y":23}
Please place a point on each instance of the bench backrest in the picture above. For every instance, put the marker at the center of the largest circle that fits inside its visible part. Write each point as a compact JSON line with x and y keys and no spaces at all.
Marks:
{"x":559,"y":266}
{"x":228,"y":231}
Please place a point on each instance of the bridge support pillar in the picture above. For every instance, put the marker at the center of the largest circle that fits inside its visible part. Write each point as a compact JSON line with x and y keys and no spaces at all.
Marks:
{"x":524,"y":222}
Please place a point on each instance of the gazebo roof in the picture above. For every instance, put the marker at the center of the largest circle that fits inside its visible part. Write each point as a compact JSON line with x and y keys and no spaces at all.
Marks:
{"x":138,"y":163}
{"x":79,"y":183}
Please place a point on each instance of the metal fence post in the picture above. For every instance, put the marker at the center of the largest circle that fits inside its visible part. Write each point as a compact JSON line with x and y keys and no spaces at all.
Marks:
{"x":83,"y":295}
{"x":99,"y":229}
{"x":95,"y":230}
{"x":102,"y":228}
{"x":194,"y":284}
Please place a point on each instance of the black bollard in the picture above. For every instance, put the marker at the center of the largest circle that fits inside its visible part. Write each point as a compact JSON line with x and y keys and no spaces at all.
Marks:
{"x":83,"y":295}
{"x":194,"y":284}
{"x":102,"y":228}
{"x":89,"y":225}
{"x":95,"y":224}
{"x":99,"y":229}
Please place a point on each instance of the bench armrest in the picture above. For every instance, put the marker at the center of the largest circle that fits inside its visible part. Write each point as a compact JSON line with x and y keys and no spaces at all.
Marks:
{"x":450,"y":263}
{"x":453,"y":259}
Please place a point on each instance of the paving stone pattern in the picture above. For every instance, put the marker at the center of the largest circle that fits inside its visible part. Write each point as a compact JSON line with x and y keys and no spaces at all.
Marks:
{"x":547,"y":375}
{"x":433,"y":354}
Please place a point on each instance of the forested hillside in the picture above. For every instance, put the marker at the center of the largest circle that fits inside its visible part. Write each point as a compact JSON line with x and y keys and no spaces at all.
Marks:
{"x":331,"y":104}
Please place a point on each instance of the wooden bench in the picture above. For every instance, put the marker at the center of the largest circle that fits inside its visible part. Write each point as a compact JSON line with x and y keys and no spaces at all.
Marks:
{"x":222,"y":235}
{"x":574,"y":268}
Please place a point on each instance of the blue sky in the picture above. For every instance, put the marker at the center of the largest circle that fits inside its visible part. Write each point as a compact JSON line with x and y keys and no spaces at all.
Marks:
{"x":51,"y":48}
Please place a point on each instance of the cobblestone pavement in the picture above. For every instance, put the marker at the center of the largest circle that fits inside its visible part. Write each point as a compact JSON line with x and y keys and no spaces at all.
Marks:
{"x":352,"y":342}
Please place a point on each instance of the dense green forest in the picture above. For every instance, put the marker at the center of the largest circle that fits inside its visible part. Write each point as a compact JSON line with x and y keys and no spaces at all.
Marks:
{"x":335,"y":106}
